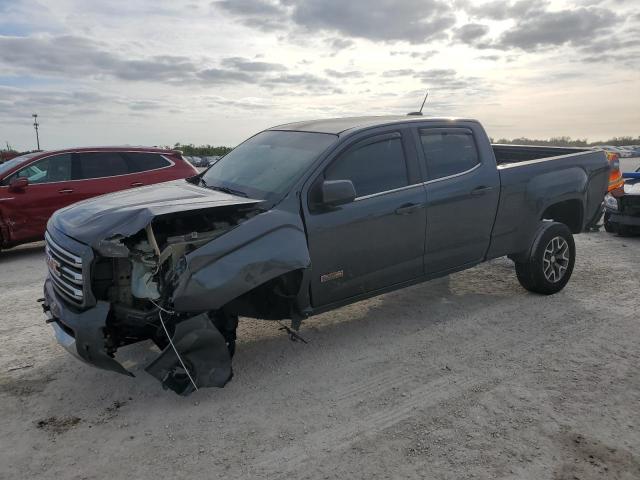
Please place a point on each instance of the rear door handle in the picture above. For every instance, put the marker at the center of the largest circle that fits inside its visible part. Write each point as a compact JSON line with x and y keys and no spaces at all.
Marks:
{"x":66,"y":190}
{"x":408,"y":208}
{"x":137,"y":184}
{"x":481,"y":190}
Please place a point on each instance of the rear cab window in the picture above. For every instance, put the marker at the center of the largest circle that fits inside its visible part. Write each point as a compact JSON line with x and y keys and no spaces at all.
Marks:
{"x":448,"y":151}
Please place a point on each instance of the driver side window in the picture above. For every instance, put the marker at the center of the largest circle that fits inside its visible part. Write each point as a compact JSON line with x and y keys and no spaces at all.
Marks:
{"x":48,"y":170}
{"x":373,"y":168}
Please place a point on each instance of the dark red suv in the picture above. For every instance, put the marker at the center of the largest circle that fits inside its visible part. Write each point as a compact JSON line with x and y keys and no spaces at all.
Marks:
{"x":35,"y":185}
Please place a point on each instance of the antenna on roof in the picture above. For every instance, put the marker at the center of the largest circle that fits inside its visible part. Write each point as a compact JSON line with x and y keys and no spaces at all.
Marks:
{"x":419,"y":113}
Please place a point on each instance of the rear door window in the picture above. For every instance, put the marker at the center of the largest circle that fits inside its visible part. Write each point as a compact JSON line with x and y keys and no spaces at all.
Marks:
{"x":52,"y":169}
{"x":101,"y":164}
{"x":144,"y":161}
{"x":448,"y":152}
{"x":377,"y":167}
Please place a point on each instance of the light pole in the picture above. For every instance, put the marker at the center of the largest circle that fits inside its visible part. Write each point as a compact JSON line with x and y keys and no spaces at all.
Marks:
{"x":35,"y":125}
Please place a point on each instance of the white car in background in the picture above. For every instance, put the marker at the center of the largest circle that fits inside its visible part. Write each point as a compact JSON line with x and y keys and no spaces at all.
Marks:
{"x":629,"y":151}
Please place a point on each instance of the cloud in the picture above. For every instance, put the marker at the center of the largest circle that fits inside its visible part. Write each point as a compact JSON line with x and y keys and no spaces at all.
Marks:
{"x":244,"y":65}
{"x":337,"y":44}
{"x":491,"y":58}
{"x":470,"y":32}
{"x":69,"y":55}
{"x":142,"y":105}
{"x":414,"y":21}
{"x":251,"y":7}
{"x":401,"y":72}
{"x":344,"y":75}
{"x":443,"y":79}
{"x":78,"y":57}
{"x":259,"y":14}
{"x":574,"y":27}
{"x":219,"y":76}
{"x":502,"y":9}
{"x":18,"y":103}
{"x":306,"y":80}
{"x":421,"y":55}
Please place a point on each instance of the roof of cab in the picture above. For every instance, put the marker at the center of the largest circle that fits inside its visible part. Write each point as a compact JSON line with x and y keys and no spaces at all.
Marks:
{"x":337,"y":126}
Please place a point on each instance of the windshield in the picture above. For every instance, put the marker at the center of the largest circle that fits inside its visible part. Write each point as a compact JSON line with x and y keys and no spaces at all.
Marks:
{"x":268,"y":164}
{"x":8,"y":165}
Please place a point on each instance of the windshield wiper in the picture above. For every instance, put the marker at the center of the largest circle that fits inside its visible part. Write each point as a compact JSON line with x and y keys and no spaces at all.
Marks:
{"x":228,"y":190}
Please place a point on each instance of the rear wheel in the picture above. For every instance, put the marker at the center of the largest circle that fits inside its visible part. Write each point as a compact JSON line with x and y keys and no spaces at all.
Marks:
{"x":551,"y":260}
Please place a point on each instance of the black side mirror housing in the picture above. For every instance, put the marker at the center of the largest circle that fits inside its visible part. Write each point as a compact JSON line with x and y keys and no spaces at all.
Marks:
{"x":18,"y":184}
{"x":337,"y":192}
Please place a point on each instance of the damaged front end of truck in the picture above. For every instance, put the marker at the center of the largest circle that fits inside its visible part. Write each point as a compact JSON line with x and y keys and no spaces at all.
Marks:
{"x":175,"y":264}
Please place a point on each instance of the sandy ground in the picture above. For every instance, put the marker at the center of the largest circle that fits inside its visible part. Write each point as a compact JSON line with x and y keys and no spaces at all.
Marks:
{"x":464,"y":377}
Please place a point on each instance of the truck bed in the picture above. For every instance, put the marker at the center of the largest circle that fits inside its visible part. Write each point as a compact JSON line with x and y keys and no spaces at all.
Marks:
{"x":523,"y":153}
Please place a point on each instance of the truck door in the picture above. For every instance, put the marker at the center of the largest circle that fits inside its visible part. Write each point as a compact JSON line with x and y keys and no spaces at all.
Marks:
{"x":462,"y":197}
{"x":378,"y":239}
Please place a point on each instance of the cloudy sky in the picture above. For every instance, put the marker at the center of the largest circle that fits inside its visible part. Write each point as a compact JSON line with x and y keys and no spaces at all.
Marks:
{"x":165,"y":71}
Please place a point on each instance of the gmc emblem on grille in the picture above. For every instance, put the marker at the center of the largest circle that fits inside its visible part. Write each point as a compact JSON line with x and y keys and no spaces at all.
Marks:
{"x":54,"y":265}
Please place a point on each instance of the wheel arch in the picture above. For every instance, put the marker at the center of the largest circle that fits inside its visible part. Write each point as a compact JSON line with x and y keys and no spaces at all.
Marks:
{"x":569,"y":212}
{"x":259,"y":253}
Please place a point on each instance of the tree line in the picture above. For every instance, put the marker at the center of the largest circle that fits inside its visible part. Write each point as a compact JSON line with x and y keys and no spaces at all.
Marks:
{"x":570,"y":142}
{"x":192,"y":150}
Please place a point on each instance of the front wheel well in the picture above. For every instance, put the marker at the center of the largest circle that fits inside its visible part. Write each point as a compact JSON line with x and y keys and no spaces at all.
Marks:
{"x":568,"y":212}
{"x":273,"y":300}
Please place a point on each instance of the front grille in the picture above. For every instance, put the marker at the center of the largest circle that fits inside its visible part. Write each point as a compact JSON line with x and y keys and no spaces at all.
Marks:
{"x":630,"y":204}
{"x":65,"y":269}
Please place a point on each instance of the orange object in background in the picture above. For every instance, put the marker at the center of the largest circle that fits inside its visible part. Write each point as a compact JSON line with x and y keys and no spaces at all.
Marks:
{"x":615,"y":176}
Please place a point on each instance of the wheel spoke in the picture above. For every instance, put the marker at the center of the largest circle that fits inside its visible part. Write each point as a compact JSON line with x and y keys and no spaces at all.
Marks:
{"x":555,"y":259}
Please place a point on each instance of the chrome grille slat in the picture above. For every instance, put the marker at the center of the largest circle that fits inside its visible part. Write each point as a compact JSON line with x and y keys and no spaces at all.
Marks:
{"x":67,"y":290}
{"x":65,"y":269}
{"x":72,"y":259}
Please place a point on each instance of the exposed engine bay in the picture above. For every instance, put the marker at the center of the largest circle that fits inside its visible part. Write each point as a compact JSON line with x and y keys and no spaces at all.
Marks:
{"x":135,"y":276}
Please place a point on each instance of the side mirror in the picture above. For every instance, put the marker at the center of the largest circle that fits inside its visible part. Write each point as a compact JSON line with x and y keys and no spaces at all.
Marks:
{"x":18,"y":184}
{"x":338,"y":192}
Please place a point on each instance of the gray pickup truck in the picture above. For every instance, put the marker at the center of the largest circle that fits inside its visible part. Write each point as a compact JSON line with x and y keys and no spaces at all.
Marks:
{"x":304,"y":218}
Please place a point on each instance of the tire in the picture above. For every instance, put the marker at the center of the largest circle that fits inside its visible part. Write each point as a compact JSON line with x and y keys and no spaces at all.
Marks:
{"x":624,"y":231}
{"x":226,"y":325}
{"x":608,"y":226}
{"x":551,"y":260}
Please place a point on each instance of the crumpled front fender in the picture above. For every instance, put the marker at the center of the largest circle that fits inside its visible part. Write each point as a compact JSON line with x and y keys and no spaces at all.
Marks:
{"x":263,"y":248}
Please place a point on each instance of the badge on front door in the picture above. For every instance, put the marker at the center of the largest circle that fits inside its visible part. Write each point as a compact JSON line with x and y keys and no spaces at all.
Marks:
{"x":331,"y":276}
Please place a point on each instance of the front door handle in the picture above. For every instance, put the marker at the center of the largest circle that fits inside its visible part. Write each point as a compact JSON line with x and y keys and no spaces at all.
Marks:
{"x":481,"y":190}
{"x":137,"y":184}
{"x":408,"y":208}
{"x":66,"y":190}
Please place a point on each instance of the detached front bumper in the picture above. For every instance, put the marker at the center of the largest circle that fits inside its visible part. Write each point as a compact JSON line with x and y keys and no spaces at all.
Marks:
{"x":81,"y":333}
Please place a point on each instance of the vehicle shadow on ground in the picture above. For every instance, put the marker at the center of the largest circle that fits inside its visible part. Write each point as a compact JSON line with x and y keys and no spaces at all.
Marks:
{"x":22,"y":252}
